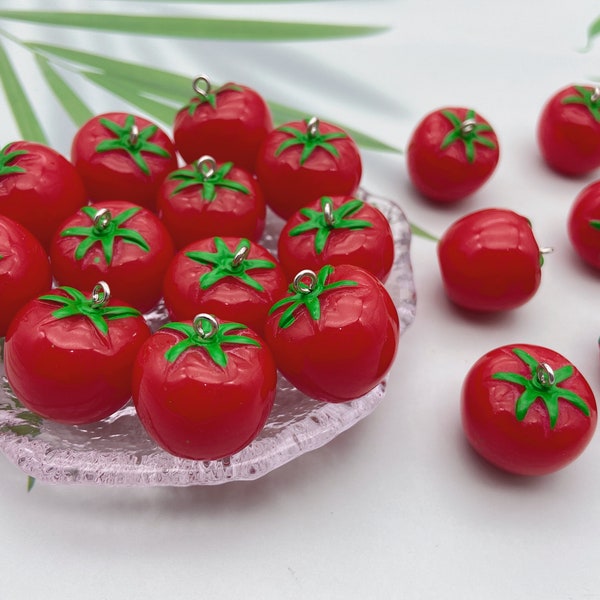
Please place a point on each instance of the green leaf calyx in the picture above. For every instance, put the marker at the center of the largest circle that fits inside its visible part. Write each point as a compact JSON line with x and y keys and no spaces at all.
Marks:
{"x":468,"y":132}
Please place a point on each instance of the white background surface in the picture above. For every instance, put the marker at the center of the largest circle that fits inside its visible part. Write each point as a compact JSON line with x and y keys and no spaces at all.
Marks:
{"x":397,"y":507}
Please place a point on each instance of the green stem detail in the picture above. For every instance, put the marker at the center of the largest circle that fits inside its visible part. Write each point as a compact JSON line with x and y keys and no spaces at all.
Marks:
{"x":542,"y":385}
{"x":594,"y":224}
{"x":206,"y":176}
{"x":6,"y":157}
{"x":206,"y":333}
{"x":589,"y":98}
{"x":468,"y":132}
{"x":307,"y":295}
{"x":225,"y":263}
{"x":310,"y":140}
{"x":105,"y":229}
{"x":328,"y":219}
{"x":132,"y":141}
{"x":95,"y":309}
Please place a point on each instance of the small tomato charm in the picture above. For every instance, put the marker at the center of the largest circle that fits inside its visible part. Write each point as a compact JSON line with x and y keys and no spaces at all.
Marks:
{"x":583,"y":224}
{"x":119,"y":242}
{"x":24,"y":270}
{"x":336,"y":335}
{"x":451,"y":154}
{"x":337,"y":230}
{"x":69,"y":358}
{"x":228,"y":277}
{"x":527,"y":409}
{"x":568,"y":130}
{"x":39,"y":188}
{"x":122,"y":156}
{"x":301,"y":161}
{"x":204,"y":389}
{"x":228,"y":123}
{"x":489,"y":260}
{"x":205,"y":199}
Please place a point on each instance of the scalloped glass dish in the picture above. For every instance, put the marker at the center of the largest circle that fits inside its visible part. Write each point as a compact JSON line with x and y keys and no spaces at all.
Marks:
{"x":117,"y":450}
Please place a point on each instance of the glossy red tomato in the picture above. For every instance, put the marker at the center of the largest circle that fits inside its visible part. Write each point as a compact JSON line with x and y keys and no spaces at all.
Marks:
{"x":39,"y":188}
{"x":24,"y":270}
{"x":568,"y":130}
{"x":121,"y":243}
{"x":584,"y":224}
{"x":451,"y":154}
{"x":204,"y":389}
{"x":229,"y":277}
{"x":69,"y":356}
{"x":335,"y":335}
{"x":337,"y":230}
{"x":123,"y":157}
{"x":301,"y":161}
{"x":205,"y":199}
{"x":489,"y":260}
{"x":527,"y":409}
{"x":229,"y":123}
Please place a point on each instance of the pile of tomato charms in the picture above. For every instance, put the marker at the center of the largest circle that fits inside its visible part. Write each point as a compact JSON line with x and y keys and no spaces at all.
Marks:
{"x":124,"y":224}
{"x":525,"y":408}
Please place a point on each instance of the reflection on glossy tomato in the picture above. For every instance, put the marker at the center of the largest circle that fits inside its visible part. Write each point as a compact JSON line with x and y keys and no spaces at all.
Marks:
{"x":527,"y":409}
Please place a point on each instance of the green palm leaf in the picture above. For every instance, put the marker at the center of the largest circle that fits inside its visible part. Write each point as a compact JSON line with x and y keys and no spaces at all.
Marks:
{"x":193,"y":27}
{"x":25,"y":117}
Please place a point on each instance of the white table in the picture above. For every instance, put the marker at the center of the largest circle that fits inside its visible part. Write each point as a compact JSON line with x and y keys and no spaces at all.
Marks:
{"x":397,"y":507}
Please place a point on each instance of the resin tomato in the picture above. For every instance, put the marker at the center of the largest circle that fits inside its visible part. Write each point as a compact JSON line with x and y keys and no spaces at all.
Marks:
{"x":229,"y":277}
{"x":203,"y":389}
{"x":206,"y":198}
{"x":452,"y":152}
{"x":228,"y":122}
{"x":301,"y":161}
{"x":121,"y":156}
{"x":527,"y":409}
{"x":39,"y":188}
{"x":337,"y":230}
{"x":69,"y":356}
{"x":568,"y":131}
{"x":335,"y":335}
{"x":490,"y":261}
{"x":583,"y":224}
{"x":24,"y":270}
{"x":122,"y":243}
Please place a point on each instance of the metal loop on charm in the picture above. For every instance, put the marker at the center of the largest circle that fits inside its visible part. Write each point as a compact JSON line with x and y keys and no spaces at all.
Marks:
{"x":312,"y":127}
{"x":328,"y":212}
{"x":305,"y":282}
{"x":206,"y":165}
{"x":204,"y":89}
{"x":102,"y":219}
{"x":240,"y":255}
{"x":546,"y":250}
{"x":595,"y":94}
{"x":134,"y":135}
{"x":201,"y":318}
{"x":100,"y":294}
{"x":468,"y":125}
{"x":545,"y":375}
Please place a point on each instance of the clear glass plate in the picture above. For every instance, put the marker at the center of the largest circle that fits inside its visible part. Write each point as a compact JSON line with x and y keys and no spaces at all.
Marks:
{"x":117,"y":450}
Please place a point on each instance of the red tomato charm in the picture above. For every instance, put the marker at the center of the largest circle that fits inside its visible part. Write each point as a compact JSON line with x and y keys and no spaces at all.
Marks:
{"x":583,"y":224}
{"x":24,"y":270}
{"x":568,"y":131}
{"x":229,"y":277}
{"x":335,"y":336}
{"x":301,"y":161}
{"x":337,"y":230}
{"x":123,"y":157}
{"x":527,"y":409}
{"x":205,"y":199}
{"x":490,"y":261}
{"x":119,"y":242}
{"x":204,"y":389}
{"x":229,"y":123}
{"x":451,"y":154}
{"x":39,"y":188}
{"x":69,"y":358}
